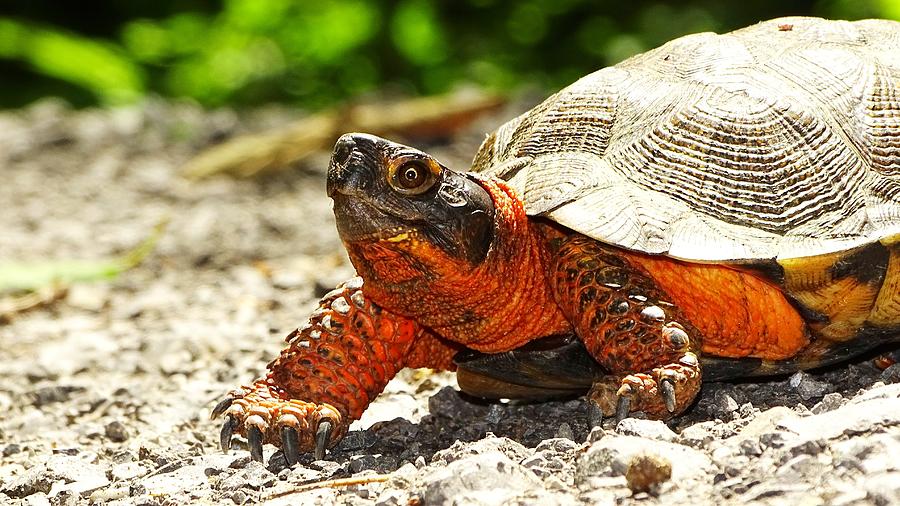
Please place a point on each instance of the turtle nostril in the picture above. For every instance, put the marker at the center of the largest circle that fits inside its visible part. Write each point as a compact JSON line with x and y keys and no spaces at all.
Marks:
{"x":342,"y":151}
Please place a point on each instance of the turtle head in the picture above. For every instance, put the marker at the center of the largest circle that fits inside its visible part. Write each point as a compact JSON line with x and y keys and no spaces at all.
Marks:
{"x":404,"y":199}
{"x":453,"y":251}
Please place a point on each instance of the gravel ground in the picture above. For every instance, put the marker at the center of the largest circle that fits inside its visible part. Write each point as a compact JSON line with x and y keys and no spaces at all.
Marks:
{"x":105,"y":394}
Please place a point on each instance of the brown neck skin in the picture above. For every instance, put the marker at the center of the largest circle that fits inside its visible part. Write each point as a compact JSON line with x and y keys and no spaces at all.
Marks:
{"x":497,"y":305}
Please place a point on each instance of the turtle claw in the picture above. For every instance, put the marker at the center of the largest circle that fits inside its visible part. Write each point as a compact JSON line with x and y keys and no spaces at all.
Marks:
{"x":221,"y":407}
{"x":623,"y":404}
{"x":667,"y":390}
{"x":323,"y":435}
{"x":255,"y":441}
{"x":297,"y":427}
{"x":595,"y":414}
{"x":290,"y":442}
{"x":660,"y":393}
{"x":227,"y":431}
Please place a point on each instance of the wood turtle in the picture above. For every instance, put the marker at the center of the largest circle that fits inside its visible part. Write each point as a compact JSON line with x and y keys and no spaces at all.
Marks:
{"x":719,"y":207}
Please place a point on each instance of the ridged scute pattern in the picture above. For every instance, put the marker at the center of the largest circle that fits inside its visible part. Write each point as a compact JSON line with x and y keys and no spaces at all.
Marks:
{"x":780,"y":140}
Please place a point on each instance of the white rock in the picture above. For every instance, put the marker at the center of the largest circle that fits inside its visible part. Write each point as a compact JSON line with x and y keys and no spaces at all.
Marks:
{"x":489,"y":478}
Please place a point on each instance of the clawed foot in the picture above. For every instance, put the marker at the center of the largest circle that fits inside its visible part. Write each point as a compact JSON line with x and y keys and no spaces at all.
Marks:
{"x":662,"y":393}
{"x":263,"y":417}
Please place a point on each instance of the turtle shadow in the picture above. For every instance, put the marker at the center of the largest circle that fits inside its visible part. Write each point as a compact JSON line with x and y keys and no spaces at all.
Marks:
{"x":456,"y":417}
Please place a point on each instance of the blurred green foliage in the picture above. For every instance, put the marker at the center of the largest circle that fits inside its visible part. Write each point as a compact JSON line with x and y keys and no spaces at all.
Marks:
{"x":315,"y":52}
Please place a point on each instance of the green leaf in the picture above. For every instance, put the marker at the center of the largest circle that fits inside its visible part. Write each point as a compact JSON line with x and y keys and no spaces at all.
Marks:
{"x":28,"y":277}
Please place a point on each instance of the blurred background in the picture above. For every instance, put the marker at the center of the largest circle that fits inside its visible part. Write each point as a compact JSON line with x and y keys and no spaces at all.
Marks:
{"x":312,"y":54}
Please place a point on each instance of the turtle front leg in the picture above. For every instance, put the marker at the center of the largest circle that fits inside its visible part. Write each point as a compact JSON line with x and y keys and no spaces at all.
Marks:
{"x":626,"y":324}
{"x":332,"y":368}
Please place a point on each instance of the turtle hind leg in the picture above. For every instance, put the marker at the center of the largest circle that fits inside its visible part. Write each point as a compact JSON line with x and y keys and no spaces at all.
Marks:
{"x":644,"y":342}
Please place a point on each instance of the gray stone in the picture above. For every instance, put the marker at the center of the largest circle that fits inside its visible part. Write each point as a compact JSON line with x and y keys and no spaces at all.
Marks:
{"x":362,"y":462}
{"x":38,"y":499}
{"x":254,"y":476}
{"x":883,"y":488}
{"x":108,"y":494}
{"x":651,"y":429}
{"x":238,"y":497}
{"x":807,"y":386}
{"x":891,"y":374}
{"x":750,"y":447}
{"x":878,"y":408}
{"x":725,"y":404}
{"x":801,"y":465}
{"x":611,"y":457}
{"x":185,"y":478}
{"x":73,"y":473}
{"x":34,"y":481}
{"x":596,"y":434}
{"x":765,"y":423}
{"x":786,"y":493}
{"x":393,"y":498}
{"x":701,"y":434}
{"x":747,"y":410}
{"x":488,"y":478}
{"x":565,"y":432}
{"x":830,"y":402}
{"x":556,"y":445}
{"x":50,"y":395}
{"x":875,"y":454}
{"x":128,"y":471}
{"x":116,"y":431}
{"x":11,"y":449}
{"x":512,"y":449}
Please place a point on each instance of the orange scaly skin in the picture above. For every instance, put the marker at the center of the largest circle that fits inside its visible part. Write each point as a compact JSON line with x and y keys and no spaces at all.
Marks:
{"x":459,"y":301}
{"x":337,"y":364}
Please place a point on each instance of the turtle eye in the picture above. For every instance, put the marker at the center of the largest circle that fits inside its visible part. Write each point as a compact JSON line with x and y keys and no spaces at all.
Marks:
{"x":413,"y":178}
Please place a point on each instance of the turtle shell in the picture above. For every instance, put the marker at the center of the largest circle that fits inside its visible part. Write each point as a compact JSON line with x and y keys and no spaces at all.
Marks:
{"x":776,"y":141}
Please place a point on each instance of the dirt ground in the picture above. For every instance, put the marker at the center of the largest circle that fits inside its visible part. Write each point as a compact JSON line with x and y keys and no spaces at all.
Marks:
{"x":105,"y":395}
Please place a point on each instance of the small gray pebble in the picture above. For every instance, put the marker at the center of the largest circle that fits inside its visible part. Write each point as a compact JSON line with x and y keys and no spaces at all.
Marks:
{"x":595,"y":435}
{"x":116,"y":431}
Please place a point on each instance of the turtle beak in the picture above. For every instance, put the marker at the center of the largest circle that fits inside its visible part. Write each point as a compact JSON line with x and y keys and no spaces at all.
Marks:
{"x":353,"y":160}
{"x":353,"y":177}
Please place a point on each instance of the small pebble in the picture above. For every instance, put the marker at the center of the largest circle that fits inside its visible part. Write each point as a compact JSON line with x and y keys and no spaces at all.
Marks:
{"x":646,"y":472}
{"x":116,"y":431}
{"x":807,"y":386}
